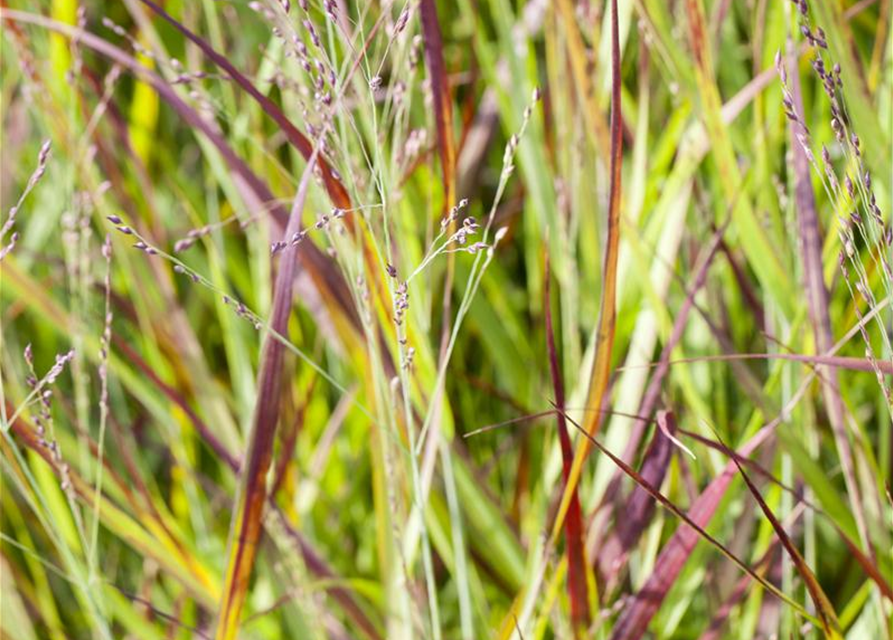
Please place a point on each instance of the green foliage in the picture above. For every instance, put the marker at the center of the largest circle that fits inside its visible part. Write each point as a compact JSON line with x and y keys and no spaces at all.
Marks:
{"x":231,"y":407}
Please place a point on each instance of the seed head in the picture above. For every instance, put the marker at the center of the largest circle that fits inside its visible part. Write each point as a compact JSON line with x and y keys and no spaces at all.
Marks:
{"x":183,"y":245}
{"x":401,"y":21}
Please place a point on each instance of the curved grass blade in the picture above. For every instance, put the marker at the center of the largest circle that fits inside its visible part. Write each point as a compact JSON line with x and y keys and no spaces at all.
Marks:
{"x":637,"y":615}
{"x":247,"y":522}
{"x":335,"y":189}
{"x":326,"y":277}
{"x":827,"y":616}
{"x":871,"y":568}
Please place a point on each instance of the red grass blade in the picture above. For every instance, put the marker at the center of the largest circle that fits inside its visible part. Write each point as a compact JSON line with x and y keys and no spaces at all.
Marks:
{"x":576,"y":553}
{"x":443,"y":105}
{"x":827,"y":616}
{"x":335,"y":189}
{"x":843,"y":362}
{"x":607,"y":316}
{"x":246,"y":523}
{"x":868,"y":565}
{"x":637,"y":615}
{"x":637,"y":508}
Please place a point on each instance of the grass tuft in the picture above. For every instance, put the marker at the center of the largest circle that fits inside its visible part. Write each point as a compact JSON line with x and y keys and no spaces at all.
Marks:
{"x":313,"y":313}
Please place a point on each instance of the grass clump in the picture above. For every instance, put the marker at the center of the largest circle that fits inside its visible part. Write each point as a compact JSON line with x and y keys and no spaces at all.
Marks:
{"x":416,"y":319}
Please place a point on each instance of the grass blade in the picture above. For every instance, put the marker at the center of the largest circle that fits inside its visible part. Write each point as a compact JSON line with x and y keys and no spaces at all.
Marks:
{"x":871,"y":568}
{"x":637,"y":615}
{"x":817,"y":293}
{"x":608,"y":313}
{"x":443,"y":104}
{"x":335,"y":189}
{"x":576,"y":553}
{"x":827,"y":616}
{"x":637,"y":508}
{"x":246,"y":524}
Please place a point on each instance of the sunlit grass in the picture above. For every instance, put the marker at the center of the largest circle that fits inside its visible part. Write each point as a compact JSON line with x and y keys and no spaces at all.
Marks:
{"x":417,"y":319}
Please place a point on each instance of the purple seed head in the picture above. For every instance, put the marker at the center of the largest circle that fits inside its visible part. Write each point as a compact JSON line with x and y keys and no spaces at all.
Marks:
{"x":183,"y":245}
